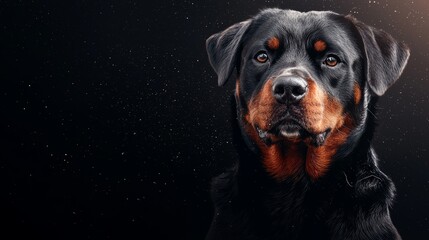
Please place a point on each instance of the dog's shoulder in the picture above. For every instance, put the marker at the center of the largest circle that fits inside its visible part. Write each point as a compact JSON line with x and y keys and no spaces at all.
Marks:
{"x":366,"y":185}
{"x":374,"y":186}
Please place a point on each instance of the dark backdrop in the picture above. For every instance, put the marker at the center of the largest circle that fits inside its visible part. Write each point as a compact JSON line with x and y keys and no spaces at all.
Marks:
{"x":112,"y":124}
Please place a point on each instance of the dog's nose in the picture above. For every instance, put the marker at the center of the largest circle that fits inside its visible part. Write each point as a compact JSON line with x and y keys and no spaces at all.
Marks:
{"x":289,"y":89}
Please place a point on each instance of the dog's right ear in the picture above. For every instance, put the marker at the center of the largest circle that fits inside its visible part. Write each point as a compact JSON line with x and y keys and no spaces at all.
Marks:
{"x":222,"y":49}
{"x":386,"y":57}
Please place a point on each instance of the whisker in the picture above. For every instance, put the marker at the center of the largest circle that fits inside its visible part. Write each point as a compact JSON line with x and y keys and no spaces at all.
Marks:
{"x":372,"y":114}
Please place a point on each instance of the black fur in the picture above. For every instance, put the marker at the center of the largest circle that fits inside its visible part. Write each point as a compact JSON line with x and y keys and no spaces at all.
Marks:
{"x":352,"y":200}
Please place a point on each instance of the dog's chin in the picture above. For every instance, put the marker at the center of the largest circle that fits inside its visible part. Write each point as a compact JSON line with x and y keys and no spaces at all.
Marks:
{"x":292,"y":131}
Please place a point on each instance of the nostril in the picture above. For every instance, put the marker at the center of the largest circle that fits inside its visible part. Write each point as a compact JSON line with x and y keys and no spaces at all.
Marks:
{"x":298,"y":91}
{"x":279,"y":90}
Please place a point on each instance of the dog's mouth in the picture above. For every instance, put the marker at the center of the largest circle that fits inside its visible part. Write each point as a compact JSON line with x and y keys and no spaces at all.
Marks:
{"x":291,"y":130}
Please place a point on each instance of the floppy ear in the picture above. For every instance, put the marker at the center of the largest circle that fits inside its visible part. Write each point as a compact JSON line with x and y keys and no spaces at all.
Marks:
{"x":222,"y":49}
{"x":386,"y":57}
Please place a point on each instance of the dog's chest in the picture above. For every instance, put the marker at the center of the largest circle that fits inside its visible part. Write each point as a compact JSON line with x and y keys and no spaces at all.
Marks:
{"x":290,"y":211}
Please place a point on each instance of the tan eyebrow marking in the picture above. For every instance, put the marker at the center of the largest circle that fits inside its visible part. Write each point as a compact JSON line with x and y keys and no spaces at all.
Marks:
{"x":273,"y":43}
{"x":320,"y":46}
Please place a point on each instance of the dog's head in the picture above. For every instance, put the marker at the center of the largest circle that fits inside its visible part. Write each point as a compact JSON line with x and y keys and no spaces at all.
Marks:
{"x":303,"y":82}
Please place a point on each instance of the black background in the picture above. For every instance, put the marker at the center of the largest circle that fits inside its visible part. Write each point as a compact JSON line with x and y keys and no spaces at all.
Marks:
{"x":112,"y":124}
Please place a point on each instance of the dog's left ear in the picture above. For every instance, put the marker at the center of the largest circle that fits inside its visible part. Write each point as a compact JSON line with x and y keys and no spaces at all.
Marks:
{"x":386,"y":57}
{"x":222,"y":49}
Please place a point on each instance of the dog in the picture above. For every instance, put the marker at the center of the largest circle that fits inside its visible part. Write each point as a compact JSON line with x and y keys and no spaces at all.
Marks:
{"x":305,"y":94}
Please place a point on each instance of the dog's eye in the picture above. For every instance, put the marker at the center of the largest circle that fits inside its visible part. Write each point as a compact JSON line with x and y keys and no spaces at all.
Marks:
{"x":331,"y":61}
{"x":261,"y":57}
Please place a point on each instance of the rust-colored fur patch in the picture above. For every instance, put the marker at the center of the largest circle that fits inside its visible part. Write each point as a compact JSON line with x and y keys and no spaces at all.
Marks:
{"x":320,"y":110}
{"x":318,"y":159}
{"x":281,"y":160}
{"x":290,"y":157}
{"x":273,"y":43}
{"x":237,"y":88}
{"x":262,"y":105}
{"x":322,"y":115}
{"x":320,"y":46}
{"x":357,"y":93}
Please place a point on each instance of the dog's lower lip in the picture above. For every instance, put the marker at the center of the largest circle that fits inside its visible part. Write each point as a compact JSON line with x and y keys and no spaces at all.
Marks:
{"x":289,"y":134}
{"x":289,"y":128}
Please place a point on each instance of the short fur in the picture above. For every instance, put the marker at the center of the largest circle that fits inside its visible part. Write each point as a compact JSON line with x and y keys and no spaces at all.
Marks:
{"x":303,"y":129}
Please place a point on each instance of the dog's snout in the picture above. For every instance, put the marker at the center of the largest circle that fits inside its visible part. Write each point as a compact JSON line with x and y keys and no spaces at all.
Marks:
{"x":289,"y":89}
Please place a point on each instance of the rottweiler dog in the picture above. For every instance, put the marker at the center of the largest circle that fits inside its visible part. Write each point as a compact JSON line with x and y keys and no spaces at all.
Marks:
{"x":306,"y":87}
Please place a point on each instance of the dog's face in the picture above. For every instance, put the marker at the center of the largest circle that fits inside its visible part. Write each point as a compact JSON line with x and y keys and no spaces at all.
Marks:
{"x":303,"y":82}
{"x":297,"y":74}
